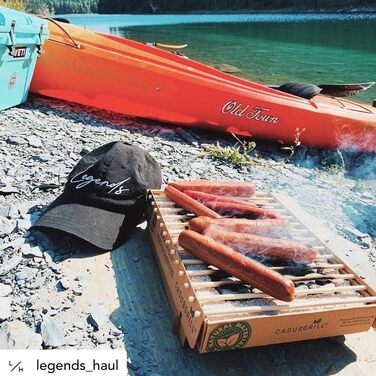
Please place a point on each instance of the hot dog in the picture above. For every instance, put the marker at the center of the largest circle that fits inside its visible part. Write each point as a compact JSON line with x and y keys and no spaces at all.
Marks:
{"x":204,"y":197}
{"x":239,"y":189}
{"x":233,"y":209}
{"x":263,"y":246}
{"x":236,"y":264}
{"x":275,"y":228}
{"x":189,"y":203}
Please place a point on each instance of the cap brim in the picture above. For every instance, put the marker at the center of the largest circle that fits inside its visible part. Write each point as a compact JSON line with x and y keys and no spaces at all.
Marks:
{"x":102,"y":228}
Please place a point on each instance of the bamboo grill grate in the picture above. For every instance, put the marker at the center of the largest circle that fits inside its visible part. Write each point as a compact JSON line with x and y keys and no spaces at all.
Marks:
{"x":326,"y":284}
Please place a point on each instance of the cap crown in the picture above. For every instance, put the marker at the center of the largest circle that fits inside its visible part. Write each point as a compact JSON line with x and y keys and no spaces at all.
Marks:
{"x":113,"y":177}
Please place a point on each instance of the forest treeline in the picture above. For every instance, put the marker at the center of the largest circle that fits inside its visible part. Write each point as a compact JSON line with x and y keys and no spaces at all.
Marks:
{"x":180,"y":6}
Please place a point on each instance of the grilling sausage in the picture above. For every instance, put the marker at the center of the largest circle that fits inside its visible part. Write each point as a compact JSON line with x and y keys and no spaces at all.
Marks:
{"x":189,"y":203}
{"x":227,"y":188}
{"x":274,"y":228}
{"x":244,"y":210}
{"x":263,"y":246}
{"x":203,"y":197}
{"x":238,"y":265}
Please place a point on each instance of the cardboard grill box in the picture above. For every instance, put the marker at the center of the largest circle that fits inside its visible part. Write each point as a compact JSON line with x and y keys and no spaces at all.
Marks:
{"x":217,"y":313}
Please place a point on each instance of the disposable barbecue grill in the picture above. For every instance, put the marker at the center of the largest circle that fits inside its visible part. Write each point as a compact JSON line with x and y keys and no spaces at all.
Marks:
{"x":216,"y":311}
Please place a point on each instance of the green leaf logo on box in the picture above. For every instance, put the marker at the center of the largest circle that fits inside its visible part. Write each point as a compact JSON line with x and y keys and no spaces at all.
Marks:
{"x":229,"y":336}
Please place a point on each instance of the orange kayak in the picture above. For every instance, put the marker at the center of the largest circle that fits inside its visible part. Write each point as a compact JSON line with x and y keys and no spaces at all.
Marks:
{"x":128,"y":77}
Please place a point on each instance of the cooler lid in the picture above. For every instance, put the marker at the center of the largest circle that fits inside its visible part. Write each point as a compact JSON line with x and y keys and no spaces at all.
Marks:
{"x":24,"y":23}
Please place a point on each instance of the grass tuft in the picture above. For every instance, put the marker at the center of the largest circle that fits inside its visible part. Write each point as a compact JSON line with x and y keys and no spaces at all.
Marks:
{"x":237,"y":155}
{"x":292,"y":148}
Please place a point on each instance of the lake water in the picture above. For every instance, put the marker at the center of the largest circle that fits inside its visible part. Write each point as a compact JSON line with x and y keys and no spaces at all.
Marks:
{"x":268,"y":48}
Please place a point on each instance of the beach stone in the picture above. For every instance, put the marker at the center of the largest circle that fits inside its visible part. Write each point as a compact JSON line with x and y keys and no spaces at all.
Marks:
{"x":27,"y":250}
{"x":26,"y":274}
{"x":75,"y":338}
{"x":34,"y":141}
{"x":16,"y":335}
{"x":78,"y":325}
{"x":7,"y":226}
{"x":98,"y":317}
{"x":5,"y":312}
{"x":5,"y":290}
{"x":4,"y":210}
{"x":65,"y":284}
{"x":114,"y":331}
{"x":100,"y":337}
{"x":37,"y":283}
{"x":16,"y":140}
{"x":42,"y":158}
{"x":8,"y":189}
{"x":14,"y":244}
{"x":52,"y":334}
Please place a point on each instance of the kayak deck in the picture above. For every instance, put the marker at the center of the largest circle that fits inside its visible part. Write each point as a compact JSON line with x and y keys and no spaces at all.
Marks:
{"x":129,"y":77}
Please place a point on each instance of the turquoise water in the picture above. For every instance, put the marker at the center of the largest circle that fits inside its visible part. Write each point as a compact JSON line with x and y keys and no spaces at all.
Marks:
{"x":267,"y":48}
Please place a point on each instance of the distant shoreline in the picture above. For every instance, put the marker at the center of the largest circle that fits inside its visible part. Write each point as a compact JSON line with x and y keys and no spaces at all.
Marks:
{"x":246,"y":11}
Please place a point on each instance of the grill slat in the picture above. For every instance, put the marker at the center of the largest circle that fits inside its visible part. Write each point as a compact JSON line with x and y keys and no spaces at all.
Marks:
{"x":173,"y":220}
{"x":299,"y":293}
{"x":289,"y":307}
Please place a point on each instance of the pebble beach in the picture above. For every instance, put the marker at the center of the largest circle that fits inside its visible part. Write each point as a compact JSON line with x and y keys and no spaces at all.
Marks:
{"x":40,"y":143}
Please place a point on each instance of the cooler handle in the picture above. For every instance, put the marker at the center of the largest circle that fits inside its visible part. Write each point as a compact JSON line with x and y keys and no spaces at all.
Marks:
{"x":39,"y":45}
{"x":11,"y":46}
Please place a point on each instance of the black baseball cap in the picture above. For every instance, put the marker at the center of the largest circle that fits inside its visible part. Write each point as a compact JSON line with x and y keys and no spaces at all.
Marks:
{"x":105,"y":196}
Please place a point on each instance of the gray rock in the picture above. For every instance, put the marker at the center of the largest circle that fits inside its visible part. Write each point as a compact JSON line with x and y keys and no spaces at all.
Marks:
{"x":48,"y":258}
{"x":10,"y":264}
{"x":65,"y":284}
{"x":7,"y":226}
{"x":15,"y":140}
{"x":78,"y":291}
{"x":52,"y":334}
{"x":5,"y":312}
{"x":26,"y":274}
{"x":51,"y":264}
{"x":15,"y":244}
{"x":8,"y":189}
{"x":100,"y":337}
{"x":35,"y":341}
{"x":27,"y":250}
{"x":38,"y":283}
{"x":98,"y":317}
{"x":4,"y":210}
{"x":23,"y":224}
{"x":24,"y":207}
{"x":78,"y":325}
{"x":114,"y":331}
{"x":42,"y":158}
{"x":34,"y":141}
{"x":75,"y":338}
{"x":86,"y":344}
{"x":13,"y":211}
{"x":16,"y":335}
{"x":5,"y":290}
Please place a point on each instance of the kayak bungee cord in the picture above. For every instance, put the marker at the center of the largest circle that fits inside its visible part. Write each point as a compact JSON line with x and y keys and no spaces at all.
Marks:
{"x":75,"y":45}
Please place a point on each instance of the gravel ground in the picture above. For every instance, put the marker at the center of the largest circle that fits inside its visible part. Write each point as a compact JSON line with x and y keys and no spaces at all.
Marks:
{"x":41,"y":141}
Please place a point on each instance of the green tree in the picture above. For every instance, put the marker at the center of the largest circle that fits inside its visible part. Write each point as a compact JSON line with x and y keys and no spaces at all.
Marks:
{"x":14,"y":4}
